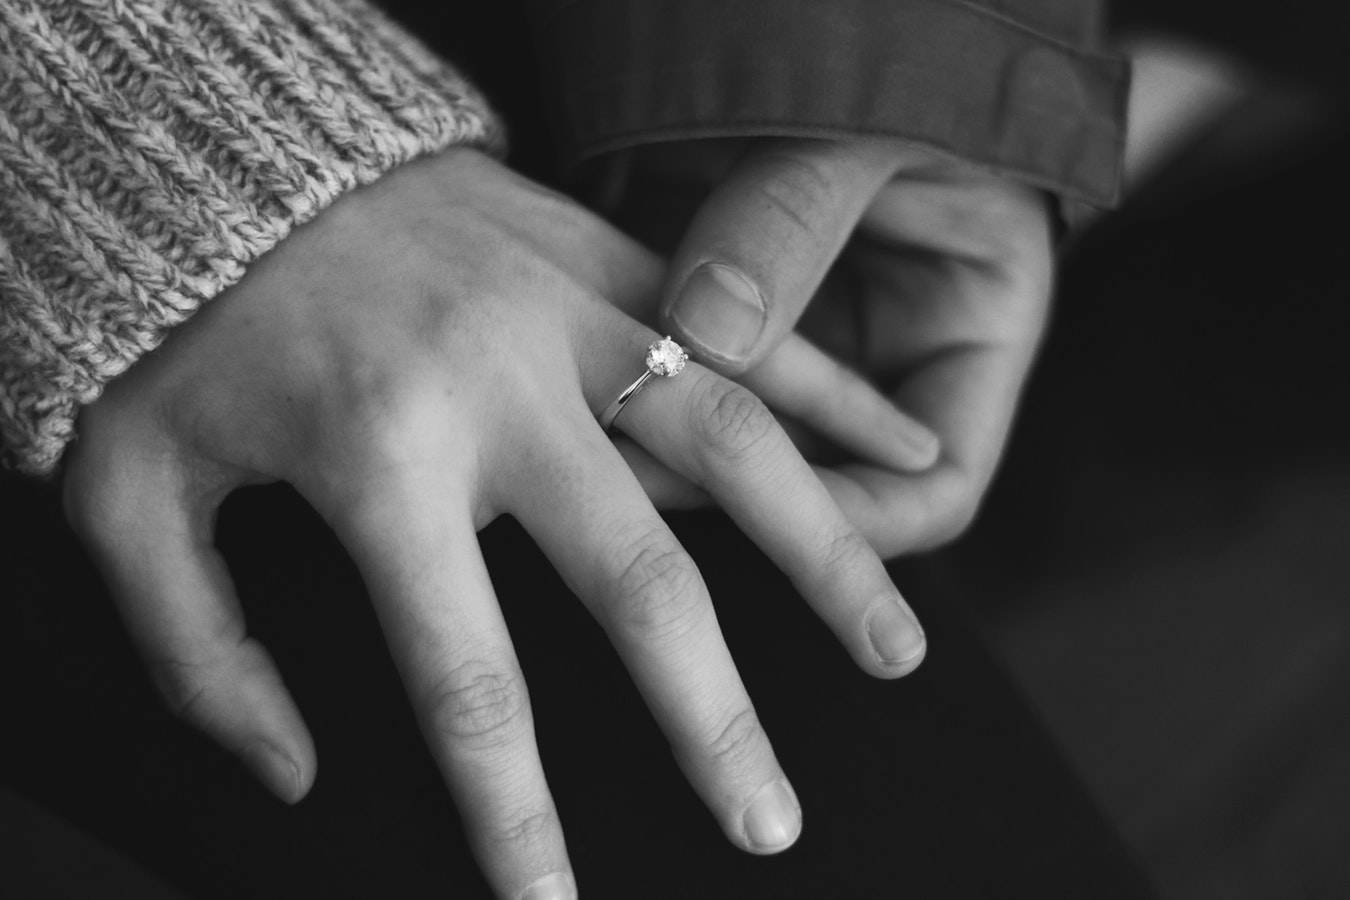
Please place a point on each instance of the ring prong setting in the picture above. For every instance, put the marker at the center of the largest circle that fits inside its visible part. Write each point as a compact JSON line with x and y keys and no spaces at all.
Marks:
{"x":665,"y":357}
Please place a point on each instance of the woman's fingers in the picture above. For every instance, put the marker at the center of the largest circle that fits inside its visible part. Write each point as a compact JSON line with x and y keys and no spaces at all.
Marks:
{"x":723,"y":439}
{"x":152,"y":541}
{"x":588,"y":513}
{"x":413,"y":538}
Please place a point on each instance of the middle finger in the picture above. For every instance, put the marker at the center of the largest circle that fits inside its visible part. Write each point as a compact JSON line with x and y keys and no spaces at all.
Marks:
{"x":587,"y":511}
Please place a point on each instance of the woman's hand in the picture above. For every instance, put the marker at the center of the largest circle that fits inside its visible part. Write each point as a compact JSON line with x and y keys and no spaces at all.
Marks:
{"x":431,"y":353}
{"x":939,"y":298}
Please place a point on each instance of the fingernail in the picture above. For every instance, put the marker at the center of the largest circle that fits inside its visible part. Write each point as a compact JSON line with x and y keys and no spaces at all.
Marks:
{"x":773,"y":820}
{"x":277,"y":771}
{"x":719,"y":309}
{"x":896,"y":636}
{"x":558,"y":886}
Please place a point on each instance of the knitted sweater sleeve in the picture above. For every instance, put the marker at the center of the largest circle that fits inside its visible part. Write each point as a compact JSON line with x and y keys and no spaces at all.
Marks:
{"x":151,"y":149}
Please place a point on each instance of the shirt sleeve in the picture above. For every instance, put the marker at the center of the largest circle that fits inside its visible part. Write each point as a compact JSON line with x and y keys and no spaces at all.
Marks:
{"x":150,"y":150}
{"x":1016,"y":86}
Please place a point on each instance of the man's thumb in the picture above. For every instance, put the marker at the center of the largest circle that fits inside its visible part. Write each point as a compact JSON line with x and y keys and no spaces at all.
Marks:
{"x":760,"y":245}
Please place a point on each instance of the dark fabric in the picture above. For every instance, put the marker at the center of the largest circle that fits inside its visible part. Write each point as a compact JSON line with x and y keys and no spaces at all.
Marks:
{"x":940,"y":785}
{"x":1013,"y":85}
{"x":1077,"y":22}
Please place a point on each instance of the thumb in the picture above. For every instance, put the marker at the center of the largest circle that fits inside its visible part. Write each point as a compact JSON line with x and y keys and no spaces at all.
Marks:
{"x":153,"y":545}
{"x":761,"y":244}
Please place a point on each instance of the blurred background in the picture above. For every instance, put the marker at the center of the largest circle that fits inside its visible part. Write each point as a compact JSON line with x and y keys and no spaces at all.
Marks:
{"x":1164,"y":563}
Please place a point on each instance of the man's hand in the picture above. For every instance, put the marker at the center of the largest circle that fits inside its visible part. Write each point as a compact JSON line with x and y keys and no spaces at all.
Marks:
{"x":428,"y":354}
{"x":939,"y":297}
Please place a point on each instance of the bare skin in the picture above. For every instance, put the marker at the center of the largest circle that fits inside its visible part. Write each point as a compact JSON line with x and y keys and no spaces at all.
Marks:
{"x":923,"y":277}
{"x":428,"y":354}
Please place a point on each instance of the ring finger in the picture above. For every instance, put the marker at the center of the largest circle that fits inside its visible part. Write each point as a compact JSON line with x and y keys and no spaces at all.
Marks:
{"x":723,"y":439}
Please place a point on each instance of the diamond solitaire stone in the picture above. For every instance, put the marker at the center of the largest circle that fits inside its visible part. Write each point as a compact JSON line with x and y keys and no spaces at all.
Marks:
{"x":665,"y":357}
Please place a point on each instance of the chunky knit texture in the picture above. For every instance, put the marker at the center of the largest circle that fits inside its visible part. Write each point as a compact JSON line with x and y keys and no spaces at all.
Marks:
{"x":151,"y":149}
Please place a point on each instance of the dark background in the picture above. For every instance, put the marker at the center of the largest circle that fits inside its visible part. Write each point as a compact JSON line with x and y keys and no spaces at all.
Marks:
{"x":1163,"y":562}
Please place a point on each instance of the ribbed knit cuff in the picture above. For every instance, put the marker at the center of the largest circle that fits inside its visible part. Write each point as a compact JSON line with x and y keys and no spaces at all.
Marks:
{"x":151,"y":149}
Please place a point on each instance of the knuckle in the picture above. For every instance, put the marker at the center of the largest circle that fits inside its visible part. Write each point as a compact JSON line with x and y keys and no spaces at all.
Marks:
{"x":737,"y":742}
{"x":795,"y":185}
{"x":734,"y":423}
{"x":386,"y":403}
{"x":197,"y":688}
{"x":477,"y":703}
{"x":181,"y":686}
{"x":529,"y":826}
{"x":843,"y":552}
{"x":385,"y":450}
{"x":392,"y":430}
{"x":657,"y":592}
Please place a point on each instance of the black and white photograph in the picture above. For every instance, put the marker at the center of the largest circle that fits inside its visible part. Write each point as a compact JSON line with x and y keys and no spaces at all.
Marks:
{"x":645,"y":449}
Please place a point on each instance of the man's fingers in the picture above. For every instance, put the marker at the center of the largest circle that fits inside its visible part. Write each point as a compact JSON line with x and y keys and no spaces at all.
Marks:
{"x":762,"y":242}
{"x":807,"y":384}
{"x":590,"y":517}
{"x":416,"y":546}
{"x":968,"y":396}
{"x":178,"y":602}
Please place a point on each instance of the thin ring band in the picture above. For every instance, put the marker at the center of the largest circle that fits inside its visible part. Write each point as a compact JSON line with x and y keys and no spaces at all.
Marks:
{"x":612,"y":411}
{"x":664,"y":357}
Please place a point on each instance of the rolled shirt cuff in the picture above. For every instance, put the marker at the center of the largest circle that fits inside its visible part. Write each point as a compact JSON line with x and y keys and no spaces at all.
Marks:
{"x":966,"y":79}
